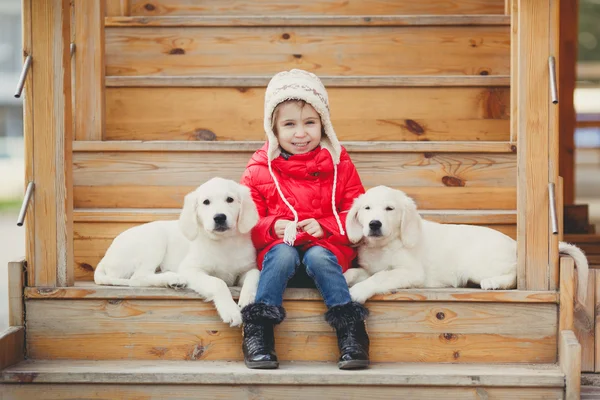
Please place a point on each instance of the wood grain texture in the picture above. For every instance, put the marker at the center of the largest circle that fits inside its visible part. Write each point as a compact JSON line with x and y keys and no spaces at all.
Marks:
{"x":313,"y":7}
{"x":433,"y":198}
{"x":343,"y":51}
{"x":584,"y":324}
{"x":569,"y":354}
{"x":533,"y":139}
{"x":567,"y":293}
{"x":52,"y":133}
{"x":273,"y":392}
{"x":392,"y":169}
{"x":415,"y":332}
{"x":12,"y":347}
{"x":94,"y":230}
{"x":329,"y":81}
{"x":312,"y":20}
{"x":89,"y":72}
{"x":364,"y":114}
{"x":28,"y":132}
{"x":87,"y":290}
{"x":302,"y":374}
{"x":15,"y":293}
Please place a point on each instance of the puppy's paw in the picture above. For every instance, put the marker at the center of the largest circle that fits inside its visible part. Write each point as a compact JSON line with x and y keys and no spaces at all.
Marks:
{"x":359,"y":293}
{"x":231,"y":316}
{"x":489,"y":284}
{"x":245,"y":299}
{"x":177,"y":283}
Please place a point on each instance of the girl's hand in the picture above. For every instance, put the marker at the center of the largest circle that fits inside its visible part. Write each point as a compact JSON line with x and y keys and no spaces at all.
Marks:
{"x":279,"y":227}
{"x":312,"y":227}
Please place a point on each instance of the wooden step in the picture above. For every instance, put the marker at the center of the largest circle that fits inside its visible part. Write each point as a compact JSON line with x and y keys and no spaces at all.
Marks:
{"x":95,"y":228}
{"x":451,"y":326}
{"x":209,"y":380}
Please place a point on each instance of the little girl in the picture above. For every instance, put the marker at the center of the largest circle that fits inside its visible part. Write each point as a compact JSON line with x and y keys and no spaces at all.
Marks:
{"x":303,"y":183}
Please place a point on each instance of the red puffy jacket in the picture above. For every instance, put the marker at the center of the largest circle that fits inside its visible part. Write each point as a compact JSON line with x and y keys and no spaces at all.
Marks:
{"x":306,"y":181}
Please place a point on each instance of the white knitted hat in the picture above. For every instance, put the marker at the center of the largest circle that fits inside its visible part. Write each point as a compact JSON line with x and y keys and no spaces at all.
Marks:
{"x":297,"y":84}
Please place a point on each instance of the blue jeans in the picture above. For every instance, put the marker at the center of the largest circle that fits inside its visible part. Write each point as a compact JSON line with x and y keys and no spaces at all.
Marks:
{"x":282,"y":262}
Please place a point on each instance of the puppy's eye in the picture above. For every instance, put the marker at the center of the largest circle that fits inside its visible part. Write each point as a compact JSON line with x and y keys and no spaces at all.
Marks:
{"x":367,"y":208}
{"x":229,"y":200}
{"x":206,"y":202}
{"x":388,"y":208}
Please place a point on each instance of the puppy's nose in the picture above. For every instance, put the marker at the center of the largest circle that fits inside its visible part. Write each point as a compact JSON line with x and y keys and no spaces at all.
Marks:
{"x":220,"y":218}
{"x":375,"y":224}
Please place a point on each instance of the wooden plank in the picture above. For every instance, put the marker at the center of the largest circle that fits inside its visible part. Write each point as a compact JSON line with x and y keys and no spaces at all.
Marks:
{"x":89,"y":72}
{"x":86,"y":290}
{"x":312,"y":20}
{"x":570,"y":363}
{"x":567,"y":293}
{"x":567,"y":52}
{"x":392,"y":169}
{"x":52,"y":134}
{"x":301,"y":374}
{"x":432,"y":198}
{"x":94,"y":230}
{"x":328,"y":81}
{"x":555,"y":239}
{"x":15,"y":293}
{"x":514,"y":69}
{"x":491,"y":217}
{"x":344,"y":51}
{"x":113,"y":8}
{"x":365,"y":114}
{"x":313,"y":7}
{"x":584,"y":325}
{"x":533,"y":102}
{"x":12,"y":346}
{"x":596,"y":321}
{"x":28,"y":141}
{"x":271,"y":392}
{"x":415,"y":332}
{"x":251,"y":146}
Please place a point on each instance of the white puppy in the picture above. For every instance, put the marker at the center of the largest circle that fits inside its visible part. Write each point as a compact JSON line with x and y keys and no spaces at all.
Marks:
{"x":207,"y":250}
{"x":398,"y":249}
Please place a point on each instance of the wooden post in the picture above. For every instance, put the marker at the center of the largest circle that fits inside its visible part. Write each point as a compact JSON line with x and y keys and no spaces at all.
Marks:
{"x":48,"y":127}
{"x":567,"y":294}
{"x":569,"y":358}
{"x":568,"y":67}
{"x":89,"y":70}
{"x":533,"y":94}
{"x":15,"y":294}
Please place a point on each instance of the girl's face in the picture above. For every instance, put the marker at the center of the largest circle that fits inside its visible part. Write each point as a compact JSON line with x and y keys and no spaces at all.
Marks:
{"x":298,"y":127}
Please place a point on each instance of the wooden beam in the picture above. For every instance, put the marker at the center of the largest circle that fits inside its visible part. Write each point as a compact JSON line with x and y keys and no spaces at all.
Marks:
{"x":566,"y":57}
{"x":12,"y":345}
{"x":28,"y":135}
{"x":328,"y":81}
{"x":567,"y":293}
{"x":51,"y":131}
{"x":310,"y":20}
{"x":569,"y":358}
{"x":533,"y":127}
{"x":15,"y":293}
{"x":89,"y":71}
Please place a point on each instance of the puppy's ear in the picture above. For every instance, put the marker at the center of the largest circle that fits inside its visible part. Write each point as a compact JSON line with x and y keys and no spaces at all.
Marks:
{"x":188,"y":219}
{"x":410,"y":226}
{"x":354,"y":229}
{"x":248,"y":216}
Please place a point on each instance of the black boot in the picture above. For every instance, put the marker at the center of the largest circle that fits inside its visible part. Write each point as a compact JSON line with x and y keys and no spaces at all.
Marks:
{"x":259,"y":340}
{"x":348,"y":320}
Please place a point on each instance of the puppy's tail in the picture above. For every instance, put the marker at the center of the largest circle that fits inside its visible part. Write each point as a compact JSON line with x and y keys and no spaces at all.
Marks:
{"x":101,"y":278}
{"x":581,"y":263}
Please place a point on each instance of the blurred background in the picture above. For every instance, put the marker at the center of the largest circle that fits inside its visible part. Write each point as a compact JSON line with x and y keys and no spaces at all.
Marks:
{"x":12,"y":245}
